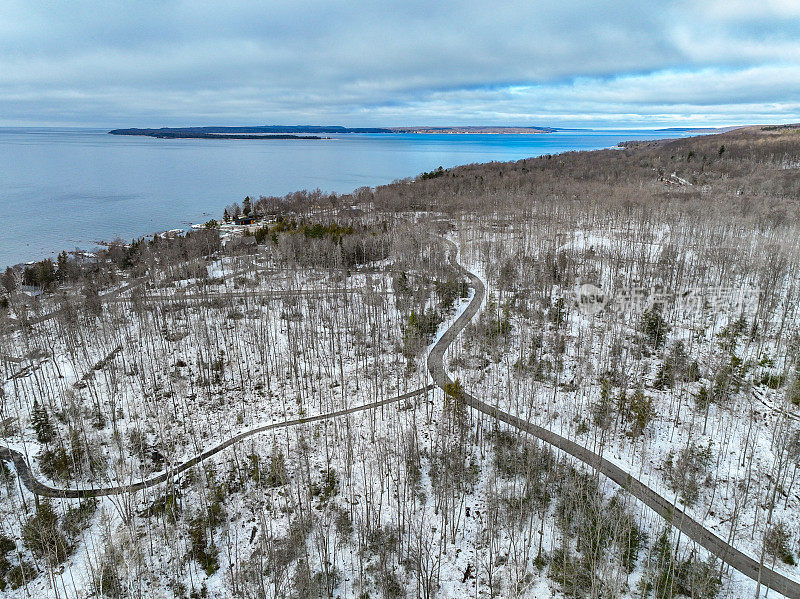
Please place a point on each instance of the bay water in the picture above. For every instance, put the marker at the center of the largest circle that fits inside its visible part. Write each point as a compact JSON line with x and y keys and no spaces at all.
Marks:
{"x":63,"y":189}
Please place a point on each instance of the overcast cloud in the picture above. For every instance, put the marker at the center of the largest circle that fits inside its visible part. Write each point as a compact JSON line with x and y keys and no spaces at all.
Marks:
{"x":567,"y":63}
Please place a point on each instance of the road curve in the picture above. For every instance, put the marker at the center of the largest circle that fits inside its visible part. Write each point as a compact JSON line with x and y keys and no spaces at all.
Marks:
{"x":39,"y":488}
{"x":659,"y":504}
{"x":663,"y":507}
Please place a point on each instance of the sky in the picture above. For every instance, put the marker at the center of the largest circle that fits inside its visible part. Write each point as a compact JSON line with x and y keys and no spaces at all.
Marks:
{"x":566,"y":63}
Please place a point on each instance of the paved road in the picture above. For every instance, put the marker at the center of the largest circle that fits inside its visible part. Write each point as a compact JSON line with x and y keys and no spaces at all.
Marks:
{"x":659,"y":504}
{"x":254,"y":294}
{"x":39,"y":488}
{"x":662,"y":506}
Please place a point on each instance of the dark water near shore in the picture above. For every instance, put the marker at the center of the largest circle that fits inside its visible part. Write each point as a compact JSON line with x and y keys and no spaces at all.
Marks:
{"x":69,"y":188}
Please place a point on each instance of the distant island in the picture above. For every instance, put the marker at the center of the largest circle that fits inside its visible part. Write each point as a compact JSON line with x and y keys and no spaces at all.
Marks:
{"x":297,"y":131}
{"x":212,"y":133}
{"x":478,"y":130}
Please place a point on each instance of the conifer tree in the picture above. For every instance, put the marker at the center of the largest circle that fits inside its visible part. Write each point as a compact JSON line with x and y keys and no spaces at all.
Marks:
{"x":41,"y":423}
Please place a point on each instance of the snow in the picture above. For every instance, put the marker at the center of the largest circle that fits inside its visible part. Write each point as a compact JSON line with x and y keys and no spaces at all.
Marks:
{"x":303,"y":354}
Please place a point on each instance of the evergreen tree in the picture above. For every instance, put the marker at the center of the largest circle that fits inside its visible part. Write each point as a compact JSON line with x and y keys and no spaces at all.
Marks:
{"x":641,"y":407}
{"x":603,"y":410}
{"x":41,"y":423}
{"x":655,"y":327}
{"x":10,"y":280}
{"x":43,"y":536}
{"x":62,"y":265}
{"x":40,"y":274}
{"x":793,"y":392}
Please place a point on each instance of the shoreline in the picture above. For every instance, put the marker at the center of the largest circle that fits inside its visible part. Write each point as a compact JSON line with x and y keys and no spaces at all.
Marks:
{"x":184,"y":221}
{"x":293,"y":131}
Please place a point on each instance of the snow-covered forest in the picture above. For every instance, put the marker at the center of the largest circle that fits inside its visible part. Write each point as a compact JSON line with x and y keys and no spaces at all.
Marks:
{"x":250,"y":411}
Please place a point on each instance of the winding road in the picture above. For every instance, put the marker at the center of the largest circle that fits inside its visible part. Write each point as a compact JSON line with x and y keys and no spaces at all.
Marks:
{"x":39,"y":488}
{"x":659,"y":504}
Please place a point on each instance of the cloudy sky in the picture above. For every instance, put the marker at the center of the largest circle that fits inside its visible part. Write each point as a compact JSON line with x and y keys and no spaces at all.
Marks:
{"x":601,"y":63}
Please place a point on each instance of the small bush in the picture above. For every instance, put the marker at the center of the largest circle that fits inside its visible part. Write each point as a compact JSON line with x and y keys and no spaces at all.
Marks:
{"x":43,"y":536}
{"x":77,"y":518}
{"x":21,"y":575}
{"x":326,"y":488}
{"x":776,"y":543}
{"x":686,"y":471}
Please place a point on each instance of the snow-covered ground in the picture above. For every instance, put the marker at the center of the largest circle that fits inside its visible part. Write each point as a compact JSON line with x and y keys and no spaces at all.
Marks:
{"x":745,"y":434}
{"x":404,"y":499}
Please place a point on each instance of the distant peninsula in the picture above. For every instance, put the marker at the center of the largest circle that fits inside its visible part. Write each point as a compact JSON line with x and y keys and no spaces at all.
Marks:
{"x":476,"y":130}
{"x":213,"y":133}
{"x":301,"y":131}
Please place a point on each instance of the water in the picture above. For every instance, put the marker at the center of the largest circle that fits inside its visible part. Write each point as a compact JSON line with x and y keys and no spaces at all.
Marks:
{"x":69,"y":188}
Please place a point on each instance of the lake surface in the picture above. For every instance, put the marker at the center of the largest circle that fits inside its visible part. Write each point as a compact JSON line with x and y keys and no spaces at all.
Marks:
{"x":61,"y":189}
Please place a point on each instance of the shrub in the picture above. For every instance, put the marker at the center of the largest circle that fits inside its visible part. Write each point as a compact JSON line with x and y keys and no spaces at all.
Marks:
{"x":776,"y":543}
{"x":21,"y":574}
{"x":326,"y":488}
{"x":686,"y":472}
{"x":43,"y":537}
{"x":201,"y":550}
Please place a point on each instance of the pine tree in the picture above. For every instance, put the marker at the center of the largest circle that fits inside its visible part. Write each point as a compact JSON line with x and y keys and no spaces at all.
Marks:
{"x":793,"y":392}
{"x":62,"y":265}
{"x":454,"y":399}
{"x":603,"y":410}
{"x":641,"y":407}
{"x":41,"y":424}
{"x":9,"y":280}
{"x":655,"y":327}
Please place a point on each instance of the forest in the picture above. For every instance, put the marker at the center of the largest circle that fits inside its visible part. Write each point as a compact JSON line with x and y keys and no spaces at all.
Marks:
{"x":575,"y":375}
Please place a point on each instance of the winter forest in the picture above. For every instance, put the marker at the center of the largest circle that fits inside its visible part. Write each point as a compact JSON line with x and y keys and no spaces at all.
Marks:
{"x":576,"y":375}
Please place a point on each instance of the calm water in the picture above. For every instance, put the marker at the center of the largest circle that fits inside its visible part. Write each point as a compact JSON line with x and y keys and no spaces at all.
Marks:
{"x":69,"y":188}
